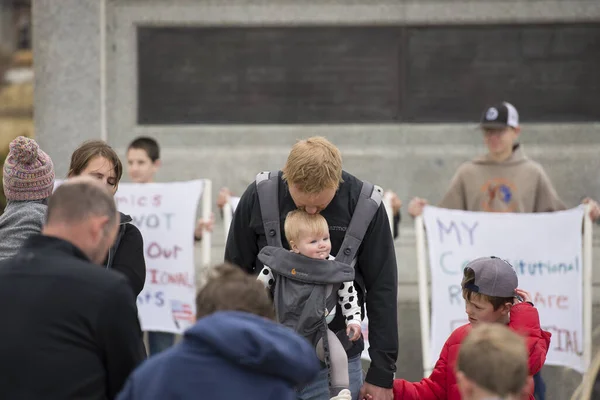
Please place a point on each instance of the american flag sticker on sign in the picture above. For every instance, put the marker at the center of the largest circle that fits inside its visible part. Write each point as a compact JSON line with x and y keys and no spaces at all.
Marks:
{"x":181,"y":311}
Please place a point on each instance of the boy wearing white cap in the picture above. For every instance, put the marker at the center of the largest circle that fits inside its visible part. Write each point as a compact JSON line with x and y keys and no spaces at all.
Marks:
{"x":504,"y":179}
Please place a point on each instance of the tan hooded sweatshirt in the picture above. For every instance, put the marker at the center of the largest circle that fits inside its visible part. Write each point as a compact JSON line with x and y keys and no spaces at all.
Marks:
{"x":517,"y":184}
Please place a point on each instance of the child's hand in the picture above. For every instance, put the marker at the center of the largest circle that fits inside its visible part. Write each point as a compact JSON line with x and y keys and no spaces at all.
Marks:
{"x":525,"y":296}
{"x":595,"y":209}
{"x":416,"y":205}
{"x":204,"y":225}
{"x":353,"y":331}
{"x":223,"y":198}
{"x":396,"y":202}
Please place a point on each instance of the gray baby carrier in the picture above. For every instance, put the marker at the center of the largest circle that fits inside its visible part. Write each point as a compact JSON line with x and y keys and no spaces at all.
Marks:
{"x":306,"y":288}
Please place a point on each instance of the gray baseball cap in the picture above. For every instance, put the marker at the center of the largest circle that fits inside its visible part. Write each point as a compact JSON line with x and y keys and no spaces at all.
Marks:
{"x":493,"y":277}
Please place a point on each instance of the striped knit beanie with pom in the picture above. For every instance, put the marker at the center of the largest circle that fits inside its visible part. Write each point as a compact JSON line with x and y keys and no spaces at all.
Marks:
{"x":28,"y":171}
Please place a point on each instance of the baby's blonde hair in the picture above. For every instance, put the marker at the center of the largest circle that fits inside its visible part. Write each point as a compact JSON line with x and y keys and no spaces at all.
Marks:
{"x":299,"y":223}
{"x":314,"y":165}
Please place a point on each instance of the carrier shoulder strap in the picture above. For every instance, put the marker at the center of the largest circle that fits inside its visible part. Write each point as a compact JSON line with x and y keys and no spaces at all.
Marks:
{"x":267,"y":187}
{"x":369,"y":201}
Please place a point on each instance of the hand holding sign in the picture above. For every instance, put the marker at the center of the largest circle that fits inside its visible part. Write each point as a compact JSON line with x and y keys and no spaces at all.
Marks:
{"x":416,"y":205}
{"x":204,"y":225}
{"x":594,"y":208}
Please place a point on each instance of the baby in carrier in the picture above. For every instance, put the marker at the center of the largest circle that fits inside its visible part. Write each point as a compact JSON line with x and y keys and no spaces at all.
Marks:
{"x":308,"y":235}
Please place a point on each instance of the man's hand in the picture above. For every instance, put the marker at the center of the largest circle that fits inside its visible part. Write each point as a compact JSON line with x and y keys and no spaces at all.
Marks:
{"x":353,"y":331}
{"x":416,"y":205}
{"x":595,"y":209}
{"x":372,"y":392}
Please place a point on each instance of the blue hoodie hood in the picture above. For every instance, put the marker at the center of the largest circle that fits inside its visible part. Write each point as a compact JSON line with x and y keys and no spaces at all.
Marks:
{"x":256,"y":343}
{"x":227,"y":355}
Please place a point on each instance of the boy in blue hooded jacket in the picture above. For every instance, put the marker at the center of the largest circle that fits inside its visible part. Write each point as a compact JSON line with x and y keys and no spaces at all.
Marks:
{"x":234,"y":350}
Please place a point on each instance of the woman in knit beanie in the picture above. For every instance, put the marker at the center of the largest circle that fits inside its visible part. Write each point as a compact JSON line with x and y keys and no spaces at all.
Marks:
{"x":28,"y":180}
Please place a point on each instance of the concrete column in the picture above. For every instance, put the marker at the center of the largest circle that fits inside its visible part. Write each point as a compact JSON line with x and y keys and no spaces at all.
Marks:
{"x":68,"y":37}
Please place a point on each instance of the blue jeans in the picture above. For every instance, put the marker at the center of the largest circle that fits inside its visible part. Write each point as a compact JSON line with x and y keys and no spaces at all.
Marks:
{"x":159,"y":341}
{"x":540,"y":387}
{"x":319,"y":388}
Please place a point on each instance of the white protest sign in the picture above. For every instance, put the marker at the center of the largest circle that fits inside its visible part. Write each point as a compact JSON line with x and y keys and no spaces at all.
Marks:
{"x":233,"y":202}
{"x":165,"y":213}
{"x":228,"y":210}
{"x":545,"y":250}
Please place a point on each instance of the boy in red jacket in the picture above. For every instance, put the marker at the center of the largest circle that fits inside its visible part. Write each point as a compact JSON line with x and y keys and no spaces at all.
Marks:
{"x":490,"y":291}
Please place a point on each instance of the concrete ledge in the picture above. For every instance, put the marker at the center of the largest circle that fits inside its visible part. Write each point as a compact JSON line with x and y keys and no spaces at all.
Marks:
{"x":412,"y":160}
{"x":256,"y":12}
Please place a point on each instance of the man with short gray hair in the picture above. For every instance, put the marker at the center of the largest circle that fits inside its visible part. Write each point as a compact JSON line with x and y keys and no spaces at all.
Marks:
{"x":69,"y":328}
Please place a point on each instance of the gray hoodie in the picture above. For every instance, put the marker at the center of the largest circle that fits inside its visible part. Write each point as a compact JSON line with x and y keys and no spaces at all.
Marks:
{"x":20,"y":220}
{"x":515,"y":185}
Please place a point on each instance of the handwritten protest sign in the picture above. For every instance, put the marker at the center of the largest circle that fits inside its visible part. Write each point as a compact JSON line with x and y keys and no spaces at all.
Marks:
{"x":546,"y":252}
{"x":165,"y":215}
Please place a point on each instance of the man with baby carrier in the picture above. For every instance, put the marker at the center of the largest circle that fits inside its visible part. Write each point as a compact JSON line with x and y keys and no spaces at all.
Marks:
{"x":312,"y":180}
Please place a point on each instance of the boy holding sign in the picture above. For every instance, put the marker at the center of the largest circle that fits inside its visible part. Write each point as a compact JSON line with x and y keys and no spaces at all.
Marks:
{"x":489,"y":288}
{"x":503,"y":180}
{"x":143,"y":162}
